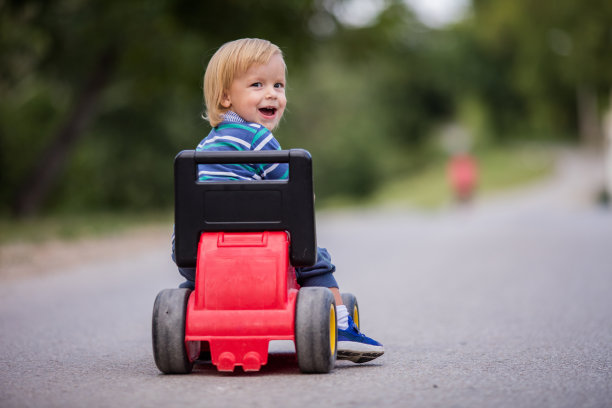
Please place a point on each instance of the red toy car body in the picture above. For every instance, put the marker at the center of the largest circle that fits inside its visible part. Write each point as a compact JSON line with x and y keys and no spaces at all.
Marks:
{"x":245,"y":296}
{"x":244,"y":238}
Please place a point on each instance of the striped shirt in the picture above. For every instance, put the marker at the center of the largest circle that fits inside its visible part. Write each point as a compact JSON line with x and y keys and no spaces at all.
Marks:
{"x":236,"y":134}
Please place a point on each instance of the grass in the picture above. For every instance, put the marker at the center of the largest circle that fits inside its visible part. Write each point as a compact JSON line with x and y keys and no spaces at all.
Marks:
{"x":498,"y":169}
{"x":76,"y":226}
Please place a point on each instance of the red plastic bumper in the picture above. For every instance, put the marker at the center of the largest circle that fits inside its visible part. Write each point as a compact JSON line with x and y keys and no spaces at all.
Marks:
{"x":245,"y":294}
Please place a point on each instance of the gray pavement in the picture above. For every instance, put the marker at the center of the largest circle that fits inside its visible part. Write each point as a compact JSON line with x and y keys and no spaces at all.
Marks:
{"x":505,"y":303}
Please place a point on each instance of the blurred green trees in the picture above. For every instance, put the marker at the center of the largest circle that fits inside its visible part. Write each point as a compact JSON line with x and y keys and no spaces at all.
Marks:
{"x":98,"y":96}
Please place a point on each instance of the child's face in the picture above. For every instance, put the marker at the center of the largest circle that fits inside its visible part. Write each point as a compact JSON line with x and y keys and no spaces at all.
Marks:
{"x":258,"y":95}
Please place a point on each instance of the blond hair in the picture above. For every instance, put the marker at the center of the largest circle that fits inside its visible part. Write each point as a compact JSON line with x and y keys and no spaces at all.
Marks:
{"x":231,"y":60}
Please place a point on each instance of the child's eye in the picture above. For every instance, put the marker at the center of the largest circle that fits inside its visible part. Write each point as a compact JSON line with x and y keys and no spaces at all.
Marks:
{"x":279,"y":85}
{"x":256,"y":84}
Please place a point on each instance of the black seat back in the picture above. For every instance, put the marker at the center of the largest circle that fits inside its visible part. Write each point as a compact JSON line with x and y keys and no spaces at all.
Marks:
{"x":244,"y":206}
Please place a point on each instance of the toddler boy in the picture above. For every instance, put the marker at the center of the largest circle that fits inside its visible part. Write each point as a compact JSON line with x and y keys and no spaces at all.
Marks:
{"x":244,"y":91}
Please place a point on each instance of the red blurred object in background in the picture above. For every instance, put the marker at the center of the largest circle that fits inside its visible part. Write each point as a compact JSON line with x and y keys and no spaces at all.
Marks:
{"x":462,"y":172}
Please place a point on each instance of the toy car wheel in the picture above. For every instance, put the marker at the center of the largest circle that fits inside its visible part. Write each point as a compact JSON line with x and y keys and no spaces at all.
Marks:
{"x":316,"y":330}
{"x":350,"y":301}
{"x":172,"y":354}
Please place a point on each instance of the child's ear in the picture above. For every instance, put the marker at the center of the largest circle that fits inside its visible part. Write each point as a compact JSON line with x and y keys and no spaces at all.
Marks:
{"x":226,"y":102}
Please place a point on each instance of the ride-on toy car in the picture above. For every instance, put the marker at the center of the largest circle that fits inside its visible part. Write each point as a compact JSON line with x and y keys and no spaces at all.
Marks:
{"x":245,"y":238}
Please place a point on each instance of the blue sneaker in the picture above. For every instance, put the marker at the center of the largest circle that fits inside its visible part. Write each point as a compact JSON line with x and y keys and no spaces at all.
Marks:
{"x":356,"y":346}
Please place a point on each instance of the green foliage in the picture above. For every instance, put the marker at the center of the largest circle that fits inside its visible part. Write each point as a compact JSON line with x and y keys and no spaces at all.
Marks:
{"x":366,"y":101}
{"x":543,"y":54}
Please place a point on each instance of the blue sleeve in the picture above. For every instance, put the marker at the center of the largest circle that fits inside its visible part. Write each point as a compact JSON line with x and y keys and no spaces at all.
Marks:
{"x":271,"y":171}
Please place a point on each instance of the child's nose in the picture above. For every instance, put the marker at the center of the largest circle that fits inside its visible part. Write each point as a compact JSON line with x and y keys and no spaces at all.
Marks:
{"x":270,"y":93}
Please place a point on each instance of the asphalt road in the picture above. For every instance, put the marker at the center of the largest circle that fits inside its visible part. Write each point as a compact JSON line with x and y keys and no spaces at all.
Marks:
{"x":504,"y":304}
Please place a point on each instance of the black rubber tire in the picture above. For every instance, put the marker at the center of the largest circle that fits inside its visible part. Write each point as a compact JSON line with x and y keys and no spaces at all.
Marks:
{"x":350,"y":301}
{"x":169,"y":349}
{"x":316,"y":330}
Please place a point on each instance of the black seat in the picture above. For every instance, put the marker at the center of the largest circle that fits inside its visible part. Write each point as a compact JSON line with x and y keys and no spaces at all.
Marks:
{"x":244,"y":206}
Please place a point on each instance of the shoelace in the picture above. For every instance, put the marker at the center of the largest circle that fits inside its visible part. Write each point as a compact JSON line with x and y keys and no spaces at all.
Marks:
{"x":353,"y":328}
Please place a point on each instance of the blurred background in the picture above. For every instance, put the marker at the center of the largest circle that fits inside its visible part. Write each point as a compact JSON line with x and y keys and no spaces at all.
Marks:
{"x":97,"y":97}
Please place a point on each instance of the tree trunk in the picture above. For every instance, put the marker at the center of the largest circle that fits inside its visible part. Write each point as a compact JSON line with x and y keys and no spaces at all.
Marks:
{"x":588,"y":117}
{"x":36,"y":187}
{"x":607,"y":125}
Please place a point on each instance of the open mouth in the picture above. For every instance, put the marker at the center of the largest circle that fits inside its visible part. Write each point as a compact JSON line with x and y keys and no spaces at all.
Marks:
{"x":267,"y":111}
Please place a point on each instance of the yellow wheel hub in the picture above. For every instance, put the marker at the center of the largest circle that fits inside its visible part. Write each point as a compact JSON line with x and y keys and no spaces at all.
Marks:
{"x":332,"y":329}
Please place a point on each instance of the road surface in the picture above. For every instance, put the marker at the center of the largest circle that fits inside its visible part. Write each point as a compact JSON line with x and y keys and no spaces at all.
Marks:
{"x":506,"y":303}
